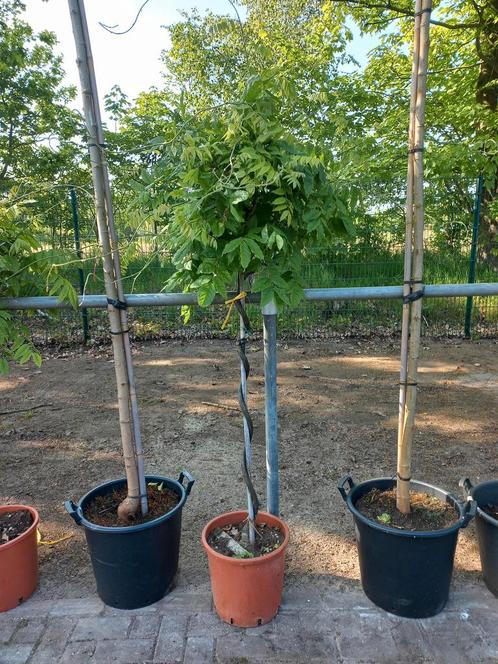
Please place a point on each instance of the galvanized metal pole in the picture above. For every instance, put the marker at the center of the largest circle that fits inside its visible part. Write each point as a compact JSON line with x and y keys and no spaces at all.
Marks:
{"x":473,"y":254}
{"x":310,"y":294}
{"x":271,"y":420}
{"x":77,"y":247}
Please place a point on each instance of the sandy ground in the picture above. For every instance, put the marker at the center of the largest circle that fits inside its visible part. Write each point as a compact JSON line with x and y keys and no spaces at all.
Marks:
{"x":338,"y":414}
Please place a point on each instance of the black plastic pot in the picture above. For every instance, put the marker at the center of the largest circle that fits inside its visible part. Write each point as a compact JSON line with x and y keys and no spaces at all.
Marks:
{"x":407,"y":573}
{"x":134,"y":566}
{"x":487,"y":528}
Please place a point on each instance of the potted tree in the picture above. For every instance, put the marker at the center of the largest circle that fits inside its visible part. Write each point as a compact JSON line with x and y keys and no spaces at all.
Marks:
{"x":132,"y":525}
{"x":249,"y":202}
{"x":406,"y":530}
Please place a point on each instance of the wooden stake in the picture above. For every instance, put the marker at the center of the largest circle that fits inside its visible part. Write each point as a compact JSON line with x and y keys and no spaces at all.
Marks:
{"x":407,"y":271}
{"x":114,"y":245}
{"x":128,"y":415}
{"x":414,"y":247}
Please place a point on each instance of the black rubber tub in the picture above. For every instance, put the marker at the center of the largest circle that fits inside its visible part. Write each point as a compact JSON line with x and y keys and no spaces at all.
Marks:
{"x":407,"y":573}
{"x":134,"y":566}
{"x":484,"y":494}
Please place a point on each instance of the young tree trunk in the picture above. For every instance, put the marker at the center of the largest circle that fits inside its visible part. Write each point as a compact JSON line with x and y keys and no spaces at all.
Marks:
{"x":409,"y":361}
{"x":404,"y":489}
{"x":112,"y":277}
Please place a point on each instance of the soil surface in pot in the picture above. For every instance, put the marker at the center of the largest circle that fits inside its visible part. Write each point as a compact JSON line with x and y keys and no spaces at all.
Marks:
{"x":102,"y":510}
{"x":427,"y":513}
{"x":491,"y":510}
{"x":268,"y":538}
{"x":13,"y":524}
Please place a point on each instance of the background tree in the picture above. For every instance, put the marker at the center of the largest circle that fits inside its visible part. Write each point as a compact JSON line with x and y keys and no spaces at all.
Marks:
{"x":40,"y":136}
{"x":462,"y":104}
{"x":356,"y":114}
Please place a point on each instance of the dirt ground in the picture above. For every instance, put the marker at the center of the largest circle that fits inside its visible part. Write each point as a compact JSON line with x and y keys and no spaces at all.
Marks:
{"x":338,"y":414}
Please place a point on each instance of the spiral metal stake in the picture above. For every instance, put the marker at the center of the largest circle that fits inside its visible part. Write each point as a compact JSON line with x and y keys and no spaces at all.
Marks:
{"x":252,"y":498}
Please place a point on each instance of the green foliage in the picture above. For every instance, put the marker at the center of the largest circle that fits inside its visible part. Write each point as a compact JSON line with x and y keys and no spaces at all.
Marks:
{"x":25,"y":269}
{"x":40,"y":147}
{"x":34,"y":103}
{"x":244,"y":196}
{"x":360,"y":115}
{"x":384,"y":518}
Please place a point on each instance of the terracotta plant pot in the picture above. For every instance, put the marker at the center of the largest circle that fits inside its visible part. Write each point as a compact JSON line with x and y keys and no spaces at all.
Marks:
{"x":246,"y":592}
{"x":18,"y":563}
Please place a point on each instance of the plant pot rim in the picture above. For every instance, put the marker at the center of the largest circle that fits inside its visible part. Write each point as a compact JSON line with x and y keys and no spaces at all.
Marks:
{"x":241,"y":515}
{"x":401,"y":532}
{"x":26,"y":533}
{"x":136,"y":527}
{"x":484,"y":515}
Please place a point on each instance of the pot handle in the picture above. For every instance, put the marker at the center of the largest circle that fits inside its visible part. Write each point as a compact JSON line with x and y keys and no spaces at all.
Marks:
{"x":72,"y":510}
{"x":469,"y":511}
{"x":347,"y":479}
{"x":185,"y":474}
{"x":466,"y":485}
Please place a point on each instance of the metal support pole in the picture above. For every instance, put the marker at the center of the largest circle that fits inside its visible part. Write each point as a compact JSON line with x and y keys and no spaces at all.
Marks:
{"x":271,"y":421}
{"x":310,"y":294}
{"x":77,"y":247}
{"x":473,"y":253}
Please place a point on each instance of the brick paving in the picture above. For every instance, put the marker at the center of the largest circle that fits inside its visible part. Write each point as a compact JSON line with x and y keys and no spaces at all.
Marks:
{"x":311,"y":627}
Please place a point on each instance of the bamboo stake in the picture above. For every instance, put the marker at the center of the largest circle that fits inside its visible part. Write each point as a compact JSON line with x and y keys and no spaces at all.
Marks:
{"x":409,"y":221}
{"x":112,"y":276}
{"x":113,"y":241}
{"x":407,"y":418}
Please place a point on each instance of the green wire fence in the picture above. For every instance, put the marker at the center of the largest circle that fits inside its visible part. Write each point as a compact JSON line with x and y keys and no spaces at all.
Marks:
{"x":374,"y":257}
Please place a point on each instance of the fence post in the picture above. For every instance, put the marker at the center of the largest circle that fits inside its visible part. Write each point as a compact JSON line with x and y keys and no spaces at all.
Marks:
{"x":77,"y":246}
{"x":473,"y":254}
{"x":271,"y":420}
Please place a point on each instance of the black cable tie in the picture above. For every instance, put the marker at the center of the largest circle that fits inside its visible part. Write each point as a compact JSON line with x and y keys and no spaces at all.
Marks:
{"x":413,"y":281}
{"x":97,"y":145}
{"x":117,"y":304}
{"x":142,"y":495}
{"x":122,"y":331}
{"x":403,"y":479}
{"x":427,"y":10}
{"x":407,"y":384}
{"x":414,"y":150}
{"x":413,"y":297}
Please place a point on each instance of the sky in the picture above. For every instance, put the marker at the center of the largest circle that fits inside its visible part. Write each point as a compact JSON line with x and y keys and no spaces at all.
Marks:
{"x":131,"y":60}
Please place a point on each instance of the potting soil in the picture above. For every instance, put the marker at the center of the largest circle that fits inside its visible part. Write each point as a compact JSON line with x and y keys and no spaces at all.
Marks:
{"x":103,"y":509}
{"x":13,"y":524}
{"x":427,"y":512}
{"x":268,"y":539}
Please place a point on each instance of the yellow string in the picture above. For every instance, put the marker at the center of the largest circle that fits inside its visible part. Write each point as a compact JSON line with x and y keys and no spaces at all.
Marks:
{"x":231,"y":302}
{"x":51,"y":542}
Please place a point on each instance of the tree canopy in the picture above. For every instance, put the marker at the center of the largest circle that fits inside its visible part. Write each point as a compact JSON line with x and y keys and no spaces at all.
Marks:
{"x":239,"y":194}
